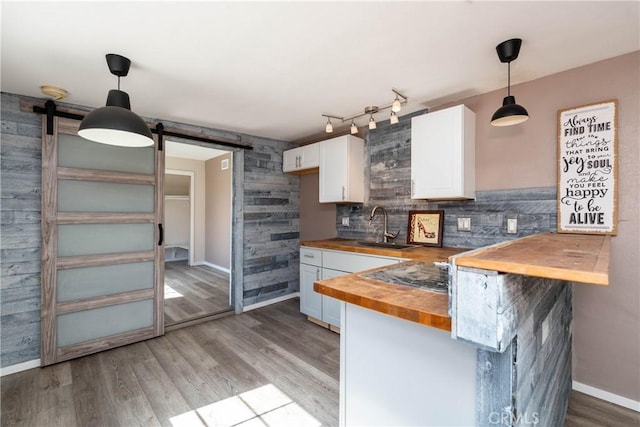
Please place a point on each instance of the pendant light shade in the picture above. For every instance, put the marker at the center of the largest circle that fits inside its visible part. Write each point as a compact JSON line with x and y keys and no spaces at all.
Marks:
{"x":116,"y":124}
{"x":510,"y":113}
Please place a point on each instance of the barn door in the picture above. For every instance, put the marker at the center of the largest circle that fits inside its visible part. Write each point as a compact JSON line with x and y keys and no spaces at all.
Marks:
{"x":102,"y":255}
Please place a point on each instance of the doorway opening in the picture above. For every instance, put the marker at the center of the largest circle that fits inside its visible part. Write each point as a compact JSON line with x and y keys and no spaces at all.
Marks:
{"x":197,"y":224}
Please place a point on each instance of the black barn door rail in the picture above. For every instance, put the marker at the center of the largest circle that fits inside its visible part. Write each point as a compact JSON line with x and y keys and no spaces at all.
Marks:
{"x":51,"y":111}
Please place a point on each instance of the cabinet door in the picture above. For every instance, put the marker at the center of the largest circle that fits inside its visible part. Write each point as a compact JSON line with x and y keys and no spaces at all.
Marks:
{"x":310,"y":156}
{"x":342,"y":170}
{"x":443,"y":154}
{"x":310,"y":301}
{"x":290,"y":160}
{"x":331,"y":307}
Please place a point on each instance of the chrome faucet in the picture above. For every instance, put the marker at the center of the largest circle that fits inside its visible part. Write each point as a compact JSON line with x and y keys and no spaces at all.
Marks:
{"x":386,"y":235}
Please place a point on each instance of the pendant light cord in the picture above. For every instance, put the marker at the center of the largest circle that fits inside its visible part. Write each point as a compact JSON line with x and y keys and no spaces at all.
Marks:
{"x":508,"y":79}
{"x":118,"y":82}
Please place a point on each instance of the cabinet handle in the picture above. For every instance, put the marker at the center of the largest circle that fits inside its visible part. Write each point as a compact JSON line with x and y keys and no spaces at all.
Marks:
{"x":308,"y":256}
{"x":343,"y":192}
{"x":298,"y":161}
{"x":317,"y":274}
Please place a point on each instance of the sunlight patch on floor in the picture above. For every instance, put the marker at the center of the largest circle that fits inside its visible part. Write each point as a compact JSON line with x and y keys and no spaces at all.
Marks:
{"x":169,"y":293}
{"x":263,"y":406}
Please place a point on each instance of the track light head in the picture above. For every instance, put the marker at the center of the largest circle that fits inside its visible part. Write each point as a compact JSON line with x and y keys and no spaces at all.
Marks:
{"x":393,"y":119}
{"x":329,"y":127}
{"x":372,"y":123}
{"x":397,"y":105}
{"x":354,"y":128}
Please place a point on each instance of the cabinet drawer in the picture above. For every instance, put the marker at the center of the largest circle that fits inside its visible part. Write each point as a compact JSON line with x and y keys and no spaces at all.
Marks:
{"x":311,"y":256}
{"x":352,"y":263}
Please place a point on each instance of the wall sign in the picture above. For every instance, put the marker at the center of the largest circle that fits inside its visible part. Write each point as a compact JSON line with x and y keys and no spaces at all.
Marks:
{"x":587,"y":169}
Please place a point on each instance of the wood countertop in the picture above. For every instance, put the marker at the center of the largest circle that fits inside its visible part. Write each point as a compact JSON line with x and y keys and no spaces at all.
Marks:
{"x":580,"y":258}
{"x":417,"y":253}
{"x":417,"y":305}
{"x":571,"y":257}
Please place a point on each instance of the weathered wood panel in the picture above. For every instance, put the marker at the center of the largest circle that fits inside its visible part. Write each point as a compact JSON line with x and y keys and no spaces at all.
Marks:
{"x":20,"y":188}
{"x":522,"y":325}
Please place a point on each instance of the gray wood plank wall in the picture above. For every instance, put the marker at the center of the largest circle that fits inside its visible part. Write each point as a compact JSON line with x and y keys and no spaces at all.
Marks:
{"x":268,"y":212}
{"x":388,"y":184}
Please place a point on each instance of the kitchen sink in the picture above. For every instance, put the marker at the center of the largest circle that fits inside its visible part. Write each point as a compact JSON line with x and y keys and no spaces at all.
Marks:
{"x":388,"y":245}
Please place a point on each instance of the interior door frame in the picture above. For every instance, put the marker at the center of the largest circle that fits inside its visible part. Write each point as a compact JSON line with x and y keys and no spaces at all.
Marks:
{"x":50,"y":262}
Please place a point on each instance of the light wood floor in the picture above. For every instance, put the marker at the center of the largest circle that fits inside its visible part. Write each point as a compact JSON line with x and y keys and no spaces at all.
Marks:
{"x":193,"y":292}
{"x":266,"y":367}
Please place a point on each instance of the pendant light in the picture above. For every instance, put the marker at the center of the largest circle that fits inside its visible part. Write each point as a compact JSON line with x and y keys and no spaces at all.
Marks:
{"x":116,"y":124}
{"x":510,"y":113}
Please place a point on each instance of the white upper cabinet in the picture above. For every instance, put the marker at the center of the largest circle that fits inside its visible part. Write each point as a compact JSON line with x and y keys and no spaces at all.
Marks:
{"x":443,"y":154}
{"x":342,"y":170}
{"x":301,"y":159}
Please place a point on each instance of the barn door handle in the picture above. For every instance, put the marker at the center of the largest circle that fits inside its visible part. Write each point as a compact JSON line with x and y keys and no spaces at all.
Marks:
{"x":161,"y":234}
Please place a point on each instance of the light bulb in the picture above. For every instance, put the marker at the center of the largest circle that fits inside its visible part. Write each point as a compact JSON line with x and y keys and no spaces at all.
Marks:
{"x":329,"y":127}
{"x":354,"y":128}
{"x":394,"y":118}
{"x":397,"y":105}
{"x":372,"y":123}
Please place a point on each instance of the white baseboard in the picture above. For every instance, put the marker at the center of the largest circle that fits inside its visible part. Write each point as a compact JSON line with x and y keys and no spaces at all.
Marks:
{"x":605,"y":395}
{"x":269,"y":302}
{"x":214,"y":266}
{"x":19,"y":367}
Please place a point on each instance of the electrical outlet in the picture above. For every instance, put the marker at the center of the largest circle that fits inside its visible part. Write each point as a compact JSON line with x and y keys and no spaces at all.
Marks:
{"x":345,"y":221}
{"x":512,"y":225}
{"x":464,"y":224}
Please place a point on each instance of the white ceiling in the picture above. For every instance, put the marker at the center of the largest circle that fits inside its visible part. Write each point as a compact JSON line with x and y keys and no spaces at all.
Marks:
{"x":272,"y":68}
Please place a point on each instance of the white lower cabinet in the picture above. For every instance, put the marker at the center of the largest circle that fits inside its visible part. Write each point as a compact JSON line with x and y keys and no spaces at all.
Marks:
{"x":331,"y":307}
{"x":310,"y":271}
{"x":310,"y":301}
{"x":317,"y":264}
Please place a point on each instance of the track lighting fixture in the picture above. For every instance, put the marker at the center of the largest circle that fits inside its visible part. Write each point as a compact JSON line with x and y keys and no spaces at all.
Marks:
{"x":510,"y":113}
{"x":116,"y":124}
{"x":329,"y":127}
{"x":354,"y":128}
{"x":395,"y":107}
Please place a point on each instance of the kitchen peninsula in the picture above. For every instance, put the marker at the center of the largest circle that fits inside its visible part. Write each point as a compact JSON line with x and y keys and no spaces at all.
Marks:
{"x":502,"y":358}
